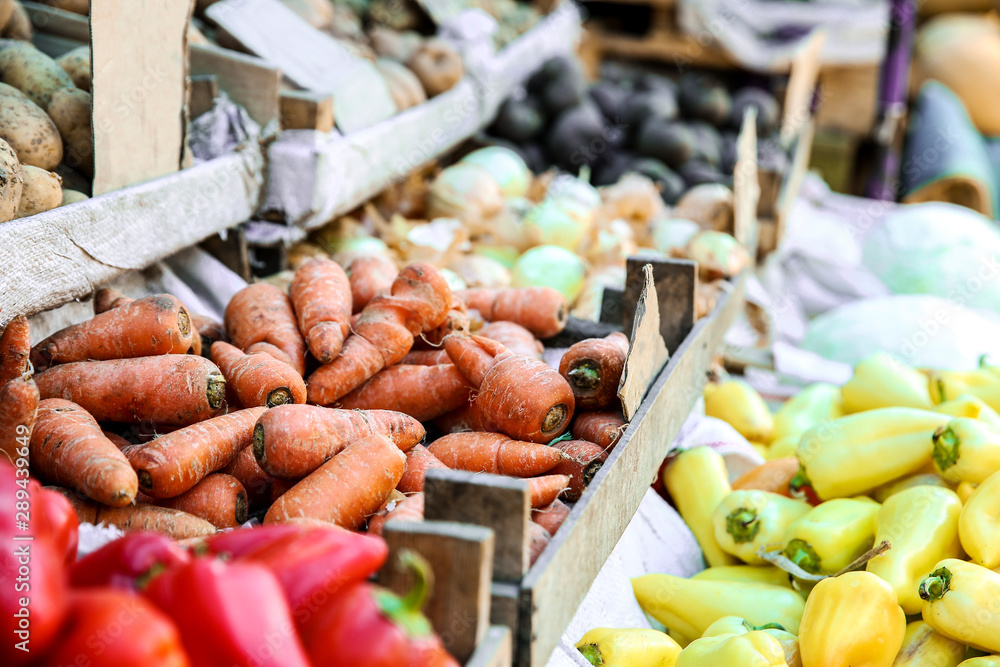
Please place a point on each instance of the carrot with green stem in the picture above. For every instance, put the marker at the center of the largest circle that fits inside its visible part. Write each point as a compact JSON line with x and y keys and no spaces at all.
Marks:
{"x":260,"y":318}
{"x":551,"y":516}
{"x":18,"y":406}
{"x":321,"y":295}
{"x":514,"y":337}
{"x":409,"y":509}
{"x":545,"y":489}
{"x":419,"y":301}
{"x":418,"y":461}
{"x":348,"y":488}
{"x":175,"y":524}
{"x":495,"y":453}
{"x":67,"y":448}
{"x":521,"y":397}
{"x":423,"y":392}
{"x":370,"y":276}
{"x":169,"y":389}
{"x":158,"y":324}
{"x":541,"y":310}
{"x":603,"y":428}
{"x":219,"y":499}
{"x":175,"y":462}
{"x":593,"y":368}
{"x":584,"y":460}
{"x":291,"y":441}
{"x":256,"y":482}
{"x":258,"y":379}
{"x":15,"y":350}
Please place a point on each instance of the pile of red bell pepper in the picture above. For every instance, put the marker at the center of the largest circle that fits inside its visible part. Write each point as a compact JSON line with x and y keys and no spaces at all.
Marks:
{"x":288,"y":595}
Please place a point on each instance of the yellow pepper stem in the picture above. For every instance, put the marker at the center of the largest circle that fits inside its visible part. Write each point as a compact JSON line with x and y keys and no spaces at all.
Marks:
{"x":592,"y":654}
{"x":803,"y":555}
{"x":946,"y":444}
{"x":935,"y":585}
{"x":743,"y":525}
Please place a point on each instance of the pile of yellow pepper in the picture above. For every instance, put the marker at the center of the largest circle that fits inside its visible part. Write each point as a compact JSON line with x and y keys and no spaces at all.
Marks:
{"x":869,"y":538}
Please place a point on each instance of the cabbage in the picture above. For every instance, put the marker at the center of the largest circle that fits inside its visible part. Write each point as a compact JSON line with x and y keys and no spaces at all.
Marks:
{"x":551,"y":266}
{"x":506,"y":167}
{"x":938,"y":249}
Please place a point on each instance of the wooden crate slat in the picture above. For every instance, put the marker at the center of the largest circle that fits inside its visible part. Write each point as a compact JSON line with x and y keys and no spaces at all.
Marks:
{"x":249,"y":81}
{"x":58,"y":22}
{"x":495,"y":650}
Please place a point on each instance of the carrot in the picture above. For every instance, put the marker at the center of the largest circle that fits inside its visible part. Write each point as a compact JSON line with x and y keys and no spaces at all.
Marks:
{"x":261,"y":313}
{"x":219,"y":499}
{"x":418,"y":461}
{"x":175,"y":462}
{"x":775,"y":476}
{"x":291,"y":441}
{"x":551,"y":516}
{"x":18,"y":405}
{"x":15,"y":348}
{"x":603,"y":428}
{"x":514,"y":337}
{"x":348,"y":488}
{"x":539,"y":539}
{"x":157,"y":324}
{"x":456,"y":322}
{"x":426,"y":358}
{"x":521,"y":397}
{"x":423,"y":392}
{"x":141,"y":516}
{"x":68,"y":448}
{"x":545,"y":489}
{"x":209,"y":330}
{"x":370,"y":276}
{"x":585,"y":459}
{"x":321,"y":295}
{"x":118,"y":441}
{"x":593,"y":368}
{"x":540,"y":310}
{"x":410,"y":509}
{"x":108,"y":298}
{"x":258,"y":379}
{"x":170,"y":389}
{"x":256,"y":482}
{"x":279,"y":487}
{"x":495,"y":453}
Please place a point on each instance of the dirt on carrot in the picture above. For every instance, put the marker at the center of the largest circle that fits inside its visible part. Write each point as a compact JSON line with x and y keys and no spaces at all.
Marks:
{"x":604,"y":428}
{"x":584,"y":460}
{"x":593,"y":368}
{"x":370,"y":276}
{"x":547,"y":488}
{"x":540,"y":310}
{"x":418,"y":461}
{"x":321,"y":295}
{"x":219,"y":499}
{"x":551,"y":516}
{"x":256,"y":482}
{"x":15,"y":349}
{"x":258,"y":379}
{"x":514,"y":337}
{"x":423,"y":392}
{"x":18,"y":406}
{"x":409,"y":509}
{"x":495,"y":453}
{"x":141,"y":516}
{"x":262,"y":313}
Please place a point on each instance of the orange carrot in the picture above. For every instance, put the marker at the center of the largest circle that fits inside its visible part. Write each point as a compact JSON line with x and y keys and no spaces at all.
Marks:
{"x":68,"y":448}
{"x":258,"y":379}
{"x":321,"y":295}
{"x":209,"y":330}
{"x":118,"y":441}
{"x":545,"y":489}
{"x":775,"y":476}
{"x":261,"y":313}
{"x":279,"y":487}
{"x":291,"y":441}
{"x":348,"y":488}
{"x":18,"y":405}
{"x":540,"y":310}
{"x":370,"y":276}
{"x":464,"y":419}
{"x":593,"y":368}
{"x":108,"y":298}
{"x":603,"y":428}
{"x":495,"y":453}
{"x":551,"y":516}
{"x":256,"y":482}
{"x":426,"y":358}
{"x":585,"y":459}
{"x":175,"y":462}
{"x":418,"y":461}
{"x":141,"y":516}
{"x":170,"y":389}
{"x":456,"y":322}
{"x":420,"y":301}
{"x":157,"y":324}
{"x":15,"y":348}
{"x":219,"y":499}
{"x":539,"y":539}
{"x":423,"y":392}
{"x":409,"y":509}
{"x":514,"y":337}
{"x":522,"y":397}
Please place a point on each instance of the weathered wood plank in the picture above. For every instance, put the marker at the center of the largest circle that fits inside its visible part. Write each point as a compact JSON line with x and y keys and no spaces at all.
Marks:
{"x":495,"y":650}
{"x":746,"y":183}
{"x":304,"y":110}
{"x":249,"y":81}
{"x":676,"y":282}
{"x":647,"y":353}
{"x":58,"y":22}
{"x":203,"y":91}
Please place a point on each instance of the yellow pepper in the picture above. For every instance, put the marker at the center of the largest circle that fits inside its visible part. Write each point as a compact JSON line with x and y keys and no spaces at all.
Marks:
{"x":962,"y":601}
{"x":882,"y":381}
{"x":921,"y":524}
{"x":734,"y":625}
{"x":739,"y":404}
{"x":982,"y":661}
{"x":749,"y":519}
{"x":698,"y":481}
{"x":851,"y":620}
{"x":979,"y":523}
{"x":687,"y":607}
{"x":983,"y":383}
{"x":923,"y":646}
{"x":965,"y":490}
{"x":628,"y":647}
{"x":886,"y":491}
{"x":972,"y":407}
{"x":857,"y":453}
{"x":832,"y":535}
{"x":783,"y":447}
{"x":748,"y":574}
{"x":753,"y":649}
{"x":966,"y":450}
{"x":815,"y":404}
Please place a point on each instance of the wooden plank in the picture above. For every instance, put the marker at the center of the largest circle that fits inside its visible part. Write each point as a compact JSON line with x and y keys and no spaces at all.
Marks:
{"x":304,"y":110}
{"x":495,"y":650}
{"x":801,"y":151}
{"x":232,"y":251}
{"x":849,"y":99}
{"x":54,"y":46}
{"x":802,"y":79}
{"x":504,"y":605}
{"x":670,"y":47}
{"x":138,"y":52}
{"x":500,"y":503}
{"x":461,"y":559}
{"x":556,"y":584}
{"x":249,"y":81}
{"x":676,"y":282}
{"x":58,"y":22}
{"x":647,"y":353}
{"x":746,"y":184}
{"x":203,"y":90}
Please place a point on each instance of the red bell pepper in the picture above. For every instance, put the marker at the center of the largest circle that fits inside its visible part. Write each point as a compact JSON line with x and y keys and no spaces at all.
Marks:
{"x":128,"y":561}
{"x":229,"y":614}
{"x":58,"y":519}
{"x":368,"y":626}
{"x":111,"y":628}
{"x":241,"y":541}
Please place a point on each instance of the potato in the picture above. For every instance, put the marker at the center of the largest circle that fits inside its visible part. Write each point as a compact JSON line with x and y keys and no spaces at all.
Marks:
{"x":6,"y":11}
{"x":31,"y":71}
{"x":70,"y":111}
{"x":11,"y":182}
{"x":72,"y":197}
{"x":28,"y":130}
{"x":75,"y":6}
{"x":19,"y":24}
{"x":73,"y":180}
{"x":76,"y":63}
{"x":42,"y":191}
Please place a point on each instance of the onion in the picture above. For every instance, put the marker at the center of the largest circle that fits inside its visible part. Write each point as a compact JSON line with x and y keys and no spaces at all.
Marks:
{"x":673,"y":233}
{"x":347,"y":250}
{"x":466,"y":192}
{"x":552,"y":223}
{"x":709,"y":204}
{"x":454,"y":280}
{"x":718,"y":255}
{"x":507,"y":168}
{"x":506,"y":255}
{"x":481,"y":271}
{"x":551,"y":266}
{"x":588,"y":304}
{"x":612,"y":244}
{"x":575,"y":191}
